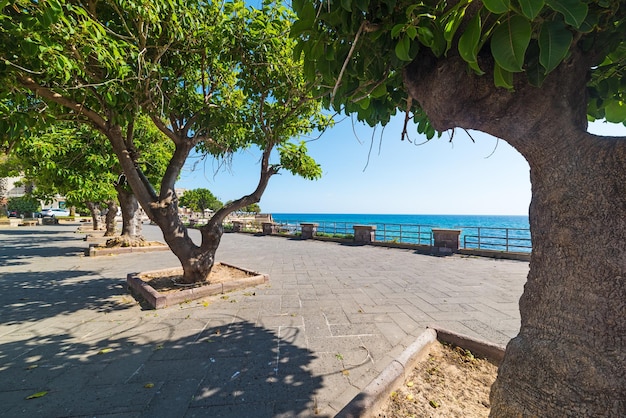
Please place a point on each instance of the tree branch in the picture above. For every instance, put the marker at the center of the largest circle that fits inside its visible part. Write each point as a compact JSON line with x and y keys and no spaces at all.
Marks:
{"x":98,"y":121}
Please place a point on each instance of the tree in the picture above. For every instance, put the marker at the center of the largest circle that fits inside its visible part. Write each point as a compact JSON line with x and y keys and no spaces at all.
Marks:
{"x":200,"y":200}
{"x":529,"y":72}
{"x":77,"y":162}
{"x":217,"y":77}
{"x":23,"y":205}
{"x":252,"y":208}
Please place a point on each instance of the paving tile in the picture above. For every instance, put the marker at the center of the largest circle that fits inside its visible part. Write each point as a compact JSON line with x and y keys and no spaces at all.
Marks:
{"x":330,"y":319}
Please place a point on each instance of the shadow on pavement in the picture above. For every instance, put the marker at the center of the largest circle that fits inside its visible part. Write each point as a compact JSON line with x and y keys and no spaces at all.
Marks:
{"x":20,"y":245}
{"x":34,"y":296}
{"x":233,"y":369}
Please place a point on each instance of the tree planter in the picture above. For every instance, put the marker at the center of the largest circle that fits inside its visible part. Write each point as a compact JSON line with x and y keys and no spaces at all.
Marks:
{"x":95,"y":249}
{"x":370,"y":401}
{"x":159,"y":300}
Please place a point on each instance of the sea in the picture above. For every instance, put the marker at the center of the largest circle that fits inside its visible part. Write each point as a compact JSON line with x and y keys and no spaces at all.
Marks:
{"x":494,"y":232}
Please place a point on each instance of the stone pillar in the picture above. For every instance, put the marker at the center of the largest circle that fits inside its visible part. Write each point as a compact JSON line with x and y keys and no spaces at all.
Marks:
{"x":269,"y":228}
{"x":308,"y":230}
{"x":237,"y":226}
{"x":364,"y":234}
{"x":446,"y":240}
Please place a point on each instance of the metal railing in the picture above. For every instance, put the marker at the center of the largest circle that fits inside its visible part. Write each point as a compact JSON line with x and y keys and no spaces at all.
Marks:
{"x":407,"y":233}
{"x":472,"y":237}
{"x":498,"y":239}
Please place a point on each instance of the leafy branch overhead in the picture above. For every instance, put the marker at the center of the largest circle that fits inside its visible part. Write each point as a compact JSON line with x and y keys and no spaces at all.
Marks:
{"x":359,"y":48}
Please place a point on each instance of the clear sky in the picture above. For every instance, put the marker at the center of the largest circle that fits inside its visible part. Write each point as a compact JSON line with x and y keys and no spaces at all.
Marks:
{"x":487,"y":177}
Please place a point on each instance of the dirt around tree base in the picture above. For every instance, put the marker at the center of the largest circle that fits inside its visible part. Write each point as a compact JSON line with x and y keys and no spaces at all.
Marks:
{"x":168,"y":281}
{"x":451,"y":382}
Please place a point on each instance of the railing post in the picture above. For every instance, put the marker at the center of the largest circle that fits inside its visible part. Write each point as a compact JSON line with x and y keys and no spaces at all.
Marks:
{"x":364,"y":234}
{"x":308,"y":229}
{"x":507,"y":240}
{"x":269,"y":228}
{"x":446,"y":240}
{"x":237,"y":226}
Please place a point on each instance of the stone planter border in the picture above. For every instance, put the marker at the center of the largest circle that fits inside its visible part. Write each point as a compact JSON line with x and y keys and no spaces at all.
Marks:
{"x":368,"y":402}
{"x":162,"y":300}
{"x":96,"y":250}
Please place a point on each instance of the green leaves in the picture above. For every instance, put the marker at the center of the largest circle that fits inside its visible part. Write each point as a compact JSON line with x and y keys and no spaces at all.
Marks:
{"x":497,"y":6}
{"x":531,"y":8}
{"x":554,"y":43}
{"x":402,"y":48}
{"x":615,"y":111}
{"x":469,"y":41}
{"x":509,"y":43}
{"x":574,"y":11}
{"x":294,"y":159}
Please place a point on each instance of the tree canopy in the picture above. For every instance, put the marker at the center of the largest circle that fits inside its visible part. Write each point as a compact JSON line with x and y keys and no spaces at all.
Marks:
{"x":77,"y":162}
{"x":200,"y":199}
{"x":358,"y":49}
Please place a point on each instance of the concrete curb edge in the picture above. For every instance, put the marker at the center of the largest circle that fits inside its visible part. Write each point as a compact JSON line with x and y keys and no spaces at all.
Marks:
{"x":367,"y":403}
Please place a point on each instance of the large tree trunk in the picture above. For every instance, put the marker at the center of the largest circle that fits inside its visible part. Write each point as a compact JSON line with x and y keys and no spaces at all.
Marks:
{"x":197,"y":261}
{"x":569,"y":358}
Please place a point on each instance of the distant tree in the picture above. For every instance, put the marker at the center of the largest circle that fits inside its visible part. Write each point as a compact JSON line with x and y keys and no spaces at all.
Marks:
{"x":199,"y":200}
{"x":23,"y":205}
{"x":253,"y":208}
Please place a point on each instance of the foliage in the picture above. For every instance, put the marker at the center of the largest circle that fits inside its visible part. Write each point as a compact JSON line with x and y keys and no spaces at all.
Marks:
{"x":216,"y":76}
{"x":358,"y":49}
{"x":199,"y":200}
{"x":77,"y":162}
{"x":24,"y":205}
{"x":252,"y":208}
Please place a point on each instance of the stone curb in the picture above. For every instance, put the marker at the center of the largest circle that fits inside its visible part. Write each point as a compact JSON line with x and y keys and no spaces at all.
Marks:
{"x":368,"y":402}
{"x":481,"y":348}
{"x":94,"y":250}
{"x":159,"y":301}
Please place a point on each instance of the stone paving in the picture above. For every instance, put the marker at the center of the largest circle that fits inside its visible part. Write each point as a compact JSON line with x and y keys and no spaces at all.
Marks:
{"x":330,"y":319}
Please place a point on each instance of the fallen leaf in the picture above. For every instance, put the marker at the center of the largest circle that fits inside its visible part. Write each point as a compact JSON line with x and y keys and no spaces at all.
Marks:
{"x":148,"y":385}
{"x":37,"y":395}
{"x":409,"y":384}
{"x":31,"y":367}
{"x":105,"y":350}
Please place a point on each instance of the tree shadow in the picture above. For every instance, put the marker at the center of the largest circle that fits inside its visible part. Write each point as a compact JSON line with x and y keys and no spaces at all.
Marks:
{"x":231,"y":369}
{"x":35,"y":296}
{"x":21,"y":245}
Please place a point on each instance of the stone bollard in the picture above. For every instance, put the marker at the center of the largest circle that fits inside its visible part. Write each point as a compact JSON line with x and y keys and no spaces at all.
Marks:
{"x":446,"y":240}
{"x":364,"y":234}
{"x":308,"y":230}
{"x":237,"y":226}
{"x":269,"y":228}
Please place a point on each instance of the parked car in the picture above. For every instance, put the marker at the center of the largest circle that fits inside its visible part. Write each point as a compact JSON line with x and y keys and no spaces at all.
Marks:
{"x":12,"y":214}
{"x":54,"y":213}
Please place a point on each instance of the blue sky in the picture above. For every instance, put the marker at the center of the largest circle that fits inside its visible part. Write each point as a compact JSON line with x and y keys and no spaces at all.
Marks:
{"x":487,"y":177}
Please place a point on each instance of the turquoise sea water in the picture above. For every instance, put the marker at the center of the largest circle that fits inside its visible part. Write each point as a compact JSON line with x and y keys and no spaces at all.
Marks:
{"x":495,"y":231}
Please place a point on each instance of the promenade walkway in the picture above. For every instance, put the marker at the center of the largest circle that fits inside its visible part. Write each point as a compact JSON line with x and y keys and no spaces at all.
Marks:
{"x":330,"y":319}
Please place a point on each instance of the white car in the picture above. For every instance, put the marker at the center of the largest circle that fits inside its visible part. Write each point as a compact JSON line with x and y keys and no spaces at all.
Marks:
{"x":54,"y":213}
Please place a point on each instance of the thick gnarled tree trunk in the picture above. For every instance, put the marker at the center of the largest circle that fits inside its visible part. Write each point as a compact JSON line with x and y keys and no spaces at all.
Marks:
{"x":569,"y":358}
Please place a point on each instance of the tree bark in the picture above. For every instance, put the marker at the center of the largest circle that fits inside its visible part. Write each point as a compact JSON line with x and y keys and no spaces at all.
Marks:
{"x":110,"y":218}
{"x":94,"y":210}
{"x":131,"y":221}
{"x":569,"y":358}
